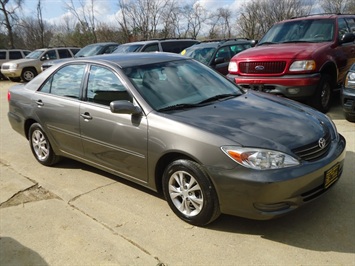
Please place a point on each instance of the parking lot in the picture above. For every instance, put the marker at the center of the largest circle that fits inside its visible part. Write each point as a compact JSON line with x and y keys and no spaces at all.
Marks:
{"x":73,"y":214}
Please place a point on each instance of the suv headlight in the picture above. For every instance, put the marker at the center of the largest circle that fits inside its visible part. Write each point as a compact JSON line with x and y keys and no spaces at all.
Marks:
{"x":233,"y":66}
{"x":259,"y":159}
{"x":12,"y":66}
{"x":303,"y":65}
{"x":350,"y":80}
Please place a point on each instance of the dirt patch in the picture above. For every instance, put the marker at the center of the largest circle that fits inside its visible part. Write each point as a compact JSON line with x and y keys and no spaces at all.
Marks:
{"x":34,"y":193}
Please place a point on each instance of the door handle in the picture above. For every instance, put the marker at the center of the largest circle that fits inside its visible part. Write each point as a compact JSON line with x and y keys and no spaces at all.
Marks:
{"x":86,"y":116}
{"x":39,"y":103}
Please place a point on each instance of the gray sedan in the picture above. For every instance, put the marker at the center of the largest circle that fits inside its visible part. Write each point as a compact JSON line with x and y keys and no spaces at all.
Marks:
{"x":174,"y":125}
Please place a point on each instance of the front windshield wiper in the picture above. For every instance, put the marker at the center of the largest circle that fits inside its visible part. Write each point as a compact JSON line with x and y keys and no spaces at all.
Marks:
{"x":219,"y":97}
{"x":178,"y":106}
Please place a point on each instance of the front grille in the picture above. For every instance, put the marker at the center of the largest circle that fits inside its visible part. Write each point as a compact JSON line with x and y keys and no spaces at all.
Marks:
{"x":313,"y":151}
{"x":276,"y":67}
{"x":5,"y":67}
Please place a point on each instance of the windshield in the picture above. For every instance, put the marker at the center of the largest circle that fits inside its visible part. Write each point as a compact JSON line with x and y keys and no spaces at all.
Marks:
{"x":88,"y":51}
{"x":181,"y":83}
{"x":202,"y":54}
{"x":35,"y":54}
{"x":309,"y":30}
{"x":128,"y":48}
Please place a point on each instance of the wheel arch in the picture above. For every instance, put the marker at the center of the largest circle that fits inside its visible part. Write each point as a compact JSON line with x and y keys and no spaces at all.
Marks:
{"x":28,"y":124}
{"x":164,"y":161}
{"x":331,"y":70}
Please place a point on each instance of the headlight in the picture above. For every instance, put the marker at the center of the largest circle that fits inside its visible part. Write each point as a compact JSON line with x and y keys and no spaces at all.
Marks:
{"x":350,"y":80}
{"x":303,"y":65}
{"x":259,"y":159}
{"x":12,"y":66}
{"x":233,"y":66}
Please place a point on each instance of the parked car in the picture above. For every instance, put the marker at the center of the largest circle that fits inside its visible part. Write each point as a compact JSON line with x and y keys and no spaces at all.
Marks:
{"x":9,"y":55}
{"x":348,"y":95}
{"x":163,"y":45}
{"x":217,"y":54}
{"x":300,"y":58}
{"x":172,"y":124}
{"x":89,"y":50}
{"x":30,"y":66}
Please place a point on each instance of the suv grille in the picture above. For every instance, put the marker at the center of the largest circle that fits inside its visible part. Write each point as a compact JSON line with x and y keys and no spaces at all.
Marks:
{"x":312,"y":152}
{"x":5,"y":67}
{"x":275,"y":67}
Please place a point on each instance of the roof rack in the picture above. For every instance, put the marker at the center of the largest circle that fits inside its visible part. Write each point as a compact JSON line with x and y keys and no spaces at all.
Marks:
{"x":319,"y":14}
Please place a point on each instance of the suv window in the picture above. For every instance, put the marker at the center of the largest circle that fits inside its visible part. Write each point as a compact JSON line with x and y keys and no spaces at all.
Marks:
{"x":15,"y":55}
{"x":51,"y":54}
{"x":64,"y":53}
{"x":151,"y":48}
{"x":2,"y":55}
{"x":176,"y":46}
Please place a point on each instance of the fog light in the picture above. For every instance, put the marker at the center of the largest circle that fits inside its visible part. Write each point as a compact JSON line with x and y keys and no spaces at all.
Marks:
{"x":272,"y":207}
{"x":293,"y":90}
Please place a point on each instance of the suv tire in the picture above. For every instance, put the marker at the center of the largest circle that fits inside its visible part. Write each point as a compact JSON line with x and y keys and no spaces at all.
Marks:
{"x":28,"y":74}
{"x":322,"y":99}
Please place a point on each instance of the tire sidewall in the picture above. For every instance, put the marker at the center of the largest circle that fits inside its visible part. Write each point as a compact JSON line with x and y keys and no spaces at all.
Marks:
{"x":325,"y":83}
{"x":28,"y":70}
{"x":51,"y":158}
{"x":210,"y":208}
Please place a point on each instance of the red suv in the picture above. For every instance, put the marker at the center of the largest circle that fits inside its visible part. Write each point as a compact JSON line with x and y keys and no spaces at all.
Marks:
{"x":300,"y":58}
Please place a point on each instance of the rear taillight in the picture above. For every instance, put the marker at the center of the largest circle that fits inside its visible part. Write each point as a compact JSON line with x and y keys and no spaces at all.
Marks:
{"x":8,"y":96}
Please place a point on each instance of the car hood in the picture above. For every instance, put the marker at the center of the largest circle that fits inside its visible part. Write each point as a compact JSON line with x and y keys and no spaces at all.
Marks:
{"x":257,"y":120}
{"x":23,"y":61}
{"x":281,"y":51}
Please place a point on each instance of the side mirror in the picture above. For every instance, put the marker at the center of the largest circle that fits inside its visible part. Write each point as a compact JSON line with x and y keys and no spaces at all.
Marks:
{"x":124,"y":107}
{"x":253,"y":43}
{"x":219,"y":60}
{"x":347,"y":37}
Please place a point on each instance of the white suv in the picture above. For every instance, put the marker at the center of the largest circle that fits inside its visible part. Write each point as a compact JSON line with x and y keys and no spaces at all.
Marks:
{"x":30,"y":66}
{"x":13,"y":54}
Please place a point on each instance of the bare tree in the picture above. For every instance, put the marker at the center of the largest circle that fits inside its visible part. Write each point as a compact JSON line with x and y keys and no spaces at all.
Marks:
{"x":337,"y":6}
{"x":195,"y":16}
{"x":9,"y":17}
{"x":86,"y":17}
{"x":258,"y":16}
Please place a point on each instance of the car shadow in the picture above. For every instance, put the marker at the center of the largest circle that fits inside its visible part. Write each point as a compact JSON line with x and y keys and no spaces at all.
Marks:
{"x":326,"y":224}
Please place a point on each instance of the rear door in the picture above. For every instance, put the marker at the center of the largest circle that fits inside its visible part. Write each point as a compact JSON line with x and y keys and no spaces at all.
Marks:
{"x":58,"y":108}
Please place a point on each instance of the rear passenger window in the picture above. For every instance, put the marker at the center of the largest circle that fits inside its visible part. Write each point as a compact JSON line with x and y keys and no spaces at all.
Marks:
{"x":64,"y":83}
{"x":104,"y":87}
{"x":15,"y":55}
{"x":64,"y":53}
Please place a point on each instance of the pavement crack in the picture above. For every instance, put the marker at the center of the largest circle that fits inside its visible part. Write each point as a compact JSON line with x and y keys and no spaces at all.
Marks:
{"x":30,"y":194}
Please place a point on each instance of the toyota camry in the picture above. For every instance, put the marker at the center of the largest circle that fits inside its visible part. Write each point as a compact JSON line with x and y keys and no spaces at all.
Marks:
{"x":175,"y":126}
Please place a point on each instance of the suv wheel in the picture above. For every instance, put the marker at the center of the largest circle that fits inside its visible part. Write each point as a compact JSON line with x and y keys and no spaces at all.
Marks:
{"x":28,"y":74}
{"x":322,"y":99}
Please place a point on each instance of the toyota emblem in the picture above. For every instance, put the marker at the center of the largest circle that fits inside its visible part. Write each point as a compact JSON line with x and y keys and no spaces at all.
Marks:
{"x":321,"y":143}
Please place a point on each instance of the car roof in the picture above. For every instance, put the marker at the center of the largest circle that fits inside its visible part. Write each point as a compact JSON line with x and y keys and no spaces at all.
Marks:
{"x":319,"y":16}
{"x":159,"y":40}
{"x":102,"y":43}
{"x":218,"y":43}
{"x":134,"y":59}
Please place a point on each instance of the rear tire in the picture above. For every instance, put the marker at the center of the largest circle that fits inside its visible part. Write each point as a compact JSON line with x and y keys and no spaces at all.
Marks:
{"x":190,"y":193}
{"x":40,"y":146}
{"x":322,"y":98}
{"x":350,"y":118}
{"x":15,"y":79}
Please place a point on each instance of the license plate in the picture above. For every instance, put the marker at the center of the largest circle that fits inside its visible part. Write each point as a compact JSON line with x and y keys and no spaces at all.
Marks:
{"x":331,"y":175}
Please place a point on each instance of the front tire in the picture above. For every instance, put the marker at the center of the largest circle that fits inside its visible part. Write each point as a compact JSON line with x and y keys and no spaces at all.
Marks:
{"x":322,"y":99}
{"x":40,"y":146}
{"x":28,"y":74}
{"x":190,"y":193}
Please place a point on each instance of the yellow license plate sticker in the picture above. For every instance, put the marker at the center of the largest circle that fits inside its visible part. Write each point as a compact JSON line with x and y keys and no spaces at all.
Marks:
{"x":331,"y":175}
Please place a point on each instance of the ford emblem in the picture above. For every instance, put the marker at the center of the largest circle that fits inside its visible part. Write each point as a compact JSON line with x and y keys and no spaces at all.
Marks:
{"x":259,"y":68}
{"x":321,"y":143}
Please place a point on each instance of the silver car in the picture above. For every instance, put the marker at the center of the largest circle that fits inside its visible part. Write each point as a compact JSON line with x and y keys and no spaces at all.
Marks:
{"x":174,"y":125}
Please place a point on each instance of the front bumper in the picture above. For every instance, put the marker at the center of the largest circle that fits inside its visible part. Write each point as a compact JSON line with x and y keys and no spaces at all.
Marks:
{"x":290,"y":86}
{"x":11,"y":73}
{"x":264,"y":195}
{"x":348,"y":101}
